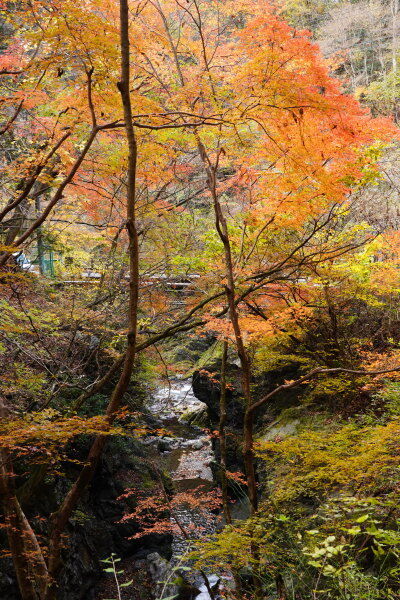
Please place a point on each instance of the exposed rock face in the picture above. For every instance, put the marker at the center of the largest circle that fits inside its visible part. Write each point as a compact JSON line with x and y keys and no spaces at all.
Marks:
{"x":179,"y":406}
{"x":160,"y":572}
{"x":167,"y":583}
{"x":8,"y":587}
{"x":191,"y":349}
{"x":197,"y":416}
{"x":207,"y":388}
{"x":99,"y":532}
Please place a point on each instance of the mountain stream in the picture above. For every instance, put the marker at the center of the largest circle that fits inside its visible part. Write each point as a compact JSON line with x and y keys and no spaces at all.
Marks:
{"x":186,"y":454}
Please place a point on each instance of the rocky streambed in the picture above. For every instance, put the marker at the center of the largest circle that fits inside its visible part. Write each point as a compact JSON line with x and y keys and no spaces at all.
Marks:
{"x":185,"y":453}
{"x":159,"y":567}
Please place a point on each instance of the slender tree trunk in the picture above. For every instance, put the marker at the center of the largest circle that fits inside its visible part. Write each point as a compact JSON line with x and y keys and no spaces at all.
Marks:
{"x":222,"y":229}
{"x":222,"y":437}
{"x":16,"y":544}
{"x":249,"y":458}
{"x":29,"y":564}
{"x":61,"y":516}
{"x":223,"y":456}
{"x":39,"y":239}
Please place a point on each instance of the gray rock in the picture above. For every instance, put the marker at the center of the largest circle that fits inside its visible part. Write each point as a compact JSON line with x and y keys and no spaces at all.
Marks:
{"x":196,"y":415}
{"x":280,"y":430}
{"x":167,"y":580}
{"x":198,"y":444}
{"x":166,"y":444}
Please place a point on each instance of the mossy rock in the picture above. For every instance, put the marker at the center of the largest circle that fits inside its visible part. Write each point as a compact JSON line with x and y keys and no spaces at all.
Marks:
{"x":196,"y":416}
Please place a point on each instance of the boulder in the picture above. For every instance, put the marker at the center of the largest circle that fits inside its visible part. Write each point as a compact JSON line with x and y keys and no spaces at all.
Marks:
{"x":195,"y":416}
{"x":207,"y":388}
{"x":168,"y":580}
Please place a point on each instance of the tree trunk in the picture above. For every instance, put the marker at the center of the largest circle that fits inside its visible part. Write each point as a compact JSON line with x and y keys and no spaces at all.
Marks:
{"x":29,"y":564}
{"x":39,"y":239}
{"x":222,"y":437}
{"x":60,"y":518}
{"x":222,"y":229}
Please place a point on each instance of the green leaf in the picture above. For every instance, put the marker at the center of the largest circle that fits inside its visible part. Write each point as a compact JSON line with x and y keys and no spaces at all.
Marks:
{"x":126,"y":584}
{"x":362,"y":519}
{"x":329,"y":570}
{"x":315,"y":563}
{"x":353,"y":530}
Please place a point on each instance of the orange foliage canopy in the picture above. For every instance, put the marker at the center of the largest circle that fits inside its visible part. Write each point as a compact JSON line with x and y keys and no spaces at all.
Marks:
{"x":231,"y":76}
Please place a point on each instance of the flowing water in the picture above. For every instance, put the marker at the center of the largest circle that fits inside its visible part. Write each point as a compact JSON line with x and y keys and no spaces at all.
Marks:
{"x":186,"y":454}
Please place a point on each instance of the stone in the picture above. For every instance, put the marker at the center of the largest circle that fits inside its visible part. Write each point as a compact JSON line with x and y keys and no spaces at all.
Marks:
{"x":167,"y":581}
{"x":198,"y":444}
{"x":280,"y":430}
{"x":195,"y":415}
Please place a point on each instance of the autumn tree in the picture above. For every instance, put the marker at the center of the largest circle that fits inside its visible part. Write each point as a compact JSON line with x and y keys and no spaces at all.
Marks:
{"x":219,"y":112}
